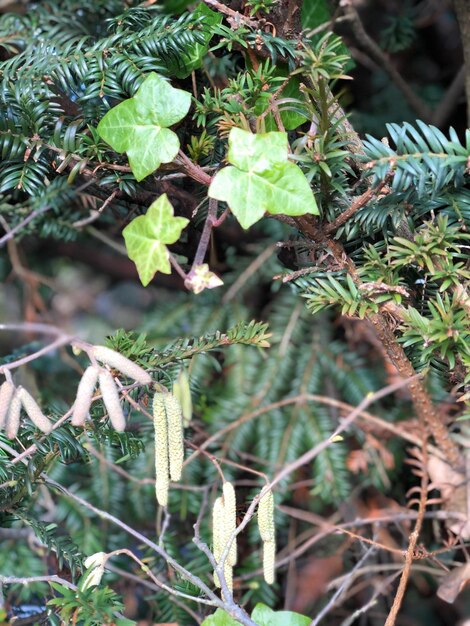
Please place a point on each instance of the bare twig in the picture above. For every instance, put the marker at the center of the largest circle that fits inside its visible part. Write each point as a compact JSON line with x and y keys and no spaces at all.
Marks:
{"x":342,"y":588}
{"x":368,"y":44}
{"x":19,"y":580}
{"x":236,"y":18}
{"x":13,"y":231}
{"x":357,"y":204}
{"x":206,"y":234}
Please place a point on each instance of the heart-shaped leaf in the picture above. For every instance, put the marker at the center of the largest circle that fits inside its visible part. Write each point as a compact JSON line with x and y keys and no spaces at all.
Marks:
{"x":263,"y":179}
{"x":147,"y":235}
{"x":264,"y":616}
{"x":139,"y":125}
{"x":220,"y":618}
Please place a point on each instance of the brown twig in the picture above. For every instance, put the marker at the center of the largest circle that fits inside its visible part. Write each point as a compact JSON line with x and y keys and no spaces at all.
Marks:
{"x":368,"y":44}
{"x":357,"y":204}
{"x":236,"y":18}
{"x":413,"y":540}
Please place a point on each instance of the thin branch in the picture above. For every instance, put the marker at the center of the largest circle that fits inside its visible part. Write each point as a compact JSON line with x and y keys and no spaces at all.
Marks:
{"x":19,"y":580}
{"x":413,"y":540}
{"x":368,"y":44}
{"x":12,"y":232}
{"x":192,"y":170}
{"x":206,"y":234}
{"x":252,"y":268}
{"x":342,"y":588}
{"x":357,"y":204}
{"x":236,"y":18}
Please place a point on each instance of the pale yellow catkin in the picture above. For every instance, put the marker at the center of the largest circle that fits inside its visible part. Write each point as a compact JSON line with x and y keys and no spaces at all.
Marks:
{"x":218,"y":533}
{"x":13,"y":418}
{"x":6,"y":394}
{"x":182,"y":391}
{"x":111,"y":400}
{"x":269,"y":561}
{"x":121,"y":363}
{"x":34,"y":412}
{"x":230,"y":520}
{"x":174,"y":418}
{"x":162,"y":466}
{"x":84,"y":395}
{"x":266,"y":517}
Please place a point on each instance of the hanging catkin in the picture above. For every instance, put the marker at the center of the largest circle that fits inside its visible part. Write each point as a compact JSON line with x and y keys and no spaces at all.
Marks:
{"x":223,"y":525}
{"x":266,"y":517}
{"x":174,"y":418}
{"x":111,"y":400}
{"x":13,"y":417}
{"x":121,"y":363}
{"x":84,"y":395}
{"x":162,"y":465}
{"x":230,"y":520}
{"x":267,"y":532}
{"x":6,"y":394}
{"x":33,"y":411}
{"x":182,"y":391}
{"x":218,"y":533}
{"x":269,"y":561}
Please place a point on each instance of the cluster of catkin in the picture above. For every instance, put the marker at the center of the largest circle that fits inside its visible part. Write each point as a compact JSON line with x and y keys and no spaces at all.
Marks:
{"x":224,"y":523}
{"x":223,"y":528}
{"x":12,"y":400}
{"x":267,"y":532}
{"x":94,"y":374}
{"x":169,"y":444}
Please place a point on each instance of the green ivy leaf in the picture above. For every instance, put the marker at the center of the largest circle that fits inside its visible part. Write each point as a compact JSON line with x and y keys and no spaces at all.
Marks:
{"x":220,"y":618}
{"x":264,"y":616}
{"x":263,"y":179}
{"x":147,"y":235}
{"x":139,"y":125}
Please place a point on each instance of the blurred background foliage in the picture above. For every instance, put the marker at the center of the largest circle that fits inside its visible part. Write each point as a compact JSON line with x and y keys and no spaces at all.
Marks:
{"x":76,"y":276}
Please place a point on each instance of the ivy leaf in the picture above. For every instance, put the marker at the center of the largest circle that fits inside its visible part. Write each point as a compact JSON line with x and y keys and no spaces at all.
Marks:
{"x":147,"y":235}
{"x":202,"y":278}
{"x":139,"y":125}
{"x":264,"y":616}
{"x":262,"y":179}
{"x":220,"y":618}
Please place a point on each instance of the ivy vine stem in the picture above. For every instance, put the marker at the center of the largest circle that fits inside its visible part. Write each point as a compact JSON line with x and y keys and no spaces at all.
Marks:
{"x":204,"y":241}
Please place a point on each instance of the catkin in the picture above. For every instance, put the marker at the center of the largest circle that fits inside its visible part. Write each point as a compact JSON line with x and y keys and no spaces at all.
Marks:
{"x":174,"y":418}
{"x":13,"y":417}
{"x":85,"y":391}
{"x":266,"y":517}
{"x":182,"y":391}
{"x":269,"y":561}
{"x":218,"y":533}
{"x":33,"y":411}
{"x":230,"y":520}
{"x":111,"y":400}
{"x":162,"y":469}
{"x":6,"y":393}
{"x":121,"y":363}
